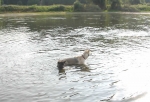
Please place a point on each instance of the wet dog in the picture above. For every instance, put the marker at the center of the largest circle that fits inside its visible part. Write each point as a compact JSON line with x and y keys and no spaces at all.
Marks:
{"x":79,"y":60}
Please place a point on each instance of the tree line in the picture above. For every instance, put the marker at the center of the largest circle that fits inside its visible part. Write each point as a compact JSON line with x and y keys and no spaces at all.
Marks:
{"x":39,"y":2}
{"x":117,"y":3}
{"x":114,"y":4}
{"x":101,"y":3}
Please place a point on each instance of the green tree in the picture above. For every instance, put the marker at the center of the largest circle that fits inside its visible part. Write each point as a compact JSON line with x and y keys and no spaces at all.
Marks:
{"x":33,"y":2}
{"x":24,"y":2}
{"x":147,"y":1}
{"x":100,"y":3}
{"x":42,"y":2}
{"x":115,"y":4}
{"x":1,"y":2}
{"x":11,"y":2}
{"x":126,"y":1}
{"x":78,"y":6}
{"x":19,"y":2}
{"x":135,"y":1}
{"x":143,"y":1}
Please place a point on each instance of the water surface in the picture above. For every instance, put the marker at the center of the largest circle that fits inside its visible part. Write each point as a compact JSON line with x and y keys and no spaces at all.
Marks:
{"x":116,"y":71}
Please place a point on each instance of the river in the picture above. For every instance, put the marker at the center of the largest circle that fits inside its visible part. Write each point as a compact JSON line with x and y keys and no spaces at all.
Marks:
{"x":117,"y":69}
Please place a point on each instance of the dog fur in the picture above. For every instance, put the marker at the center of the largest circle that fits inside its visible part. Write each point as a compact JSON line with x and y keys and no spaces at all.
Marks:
{"x":73,"y":61}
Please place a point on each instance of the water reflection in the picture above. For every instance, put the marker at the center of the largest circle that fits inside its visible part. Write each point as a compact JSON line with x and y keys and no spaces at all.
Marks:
{"x":101,"y":20}
{"x":83,"y":68}
{"x":117,"y":70}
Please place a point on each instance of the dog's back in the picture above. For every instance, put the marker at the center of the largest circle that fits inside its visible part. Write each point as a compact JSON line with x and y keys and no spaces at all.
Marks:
{"x":71,"y":61}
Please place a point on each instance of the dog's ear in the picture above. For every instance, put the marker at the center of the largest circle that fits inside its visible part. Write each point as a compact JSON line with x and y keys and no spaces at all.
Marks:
{"x":88,"y":50}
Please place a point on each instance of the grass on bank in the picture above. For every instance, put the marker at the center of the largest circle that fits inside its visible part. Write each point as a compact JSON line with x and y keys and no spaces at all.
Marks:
{"x":52,"y":8}
{"x":77,"y":7}
{"x":35,"y":8}
{"x":141,"y":7}
{"x":132,"y":8}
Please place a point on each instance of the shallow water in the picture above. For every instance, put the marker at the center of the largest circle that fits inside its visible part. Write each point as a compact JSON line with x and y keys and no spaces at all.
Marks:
{"x":116,"y":71}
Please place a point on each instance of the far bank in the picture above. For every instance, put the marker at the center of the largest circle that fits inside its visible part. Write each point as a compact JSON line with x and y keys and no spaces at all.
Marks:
{"x":71,"y":8}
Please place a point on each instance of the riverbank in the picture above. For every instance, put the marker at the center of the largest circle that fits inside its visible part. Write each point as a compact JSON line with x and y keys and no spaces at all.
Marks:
{"x":36,"y":8}
{"x":8,"y":14}
{"x":142,"y":8}
{"x":64,"y":13}
{"x":70,"y":8}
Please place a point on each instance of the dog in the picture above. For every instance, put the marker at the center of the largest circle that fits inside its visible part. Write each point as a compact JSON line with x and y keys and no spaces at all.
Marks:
{"x":79,"y":60}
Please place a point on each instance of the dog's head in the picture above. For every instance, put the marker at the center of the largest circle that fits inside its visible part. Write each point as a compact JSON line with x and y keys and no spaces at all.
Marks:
{"x":86,"y":53}
{"x":60,"y":64}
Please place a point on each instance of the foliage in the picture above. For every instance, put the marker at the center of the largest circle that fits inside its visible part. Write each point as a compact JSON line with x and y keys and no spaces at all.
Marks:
{"x":92,"y":8}
{"x":115,"y":4}
{"x":88,"y":7}
{"x":42,"y":2}
{"x":100,"y":3}
{"x":147,"y":1}
{"x":148,"y":4}
{"x":33,"y":2}
{"x":19,"y":2}
{"x":69,"y":8}
{"x":34,"y":8}
{"x":57,"y":8}
{"x":128,"y":8}
{"x":125,"y":2}
{"x":137,"y":1}
{"x":142,"y":7}
{"x":77,"y":6}
{"x":11,"y":8}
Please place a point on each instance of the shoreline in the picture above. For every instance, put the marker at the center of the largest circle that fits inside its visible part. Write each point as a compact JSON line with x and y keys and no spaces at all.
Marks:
{"x":12,"y":14}
{"x":54,"y":9}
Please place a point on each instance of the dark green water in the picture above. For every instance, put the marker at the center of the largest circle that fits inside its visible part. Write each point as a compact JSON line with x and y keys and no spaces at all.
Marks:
{"x":117,"y":70}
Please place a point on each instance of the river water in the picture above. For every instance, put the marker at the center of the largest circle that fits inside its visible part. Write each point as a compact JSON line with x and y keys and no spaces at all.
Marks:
{"x":117,"y":69}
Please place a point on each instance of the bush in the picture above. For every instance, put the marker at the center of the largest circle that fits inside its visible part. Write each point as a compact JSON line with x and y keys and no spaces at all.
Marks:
{"x":92,"y":8}
{"x":12,"y":8}
{"x":69,"y":8}
{"x":57,"y":8}
{"x":142,"y":7}
{"x":31,"y":8}
{"x":129,"y":9}
{"x":34,"y":8}
{"x":148,"y":4}
{"x":115,"y":5}
{"x":32,"y":2}
{"x":77,"y":7}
